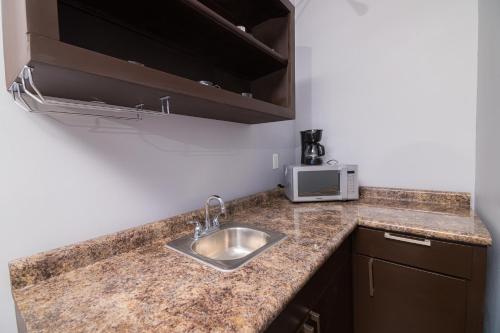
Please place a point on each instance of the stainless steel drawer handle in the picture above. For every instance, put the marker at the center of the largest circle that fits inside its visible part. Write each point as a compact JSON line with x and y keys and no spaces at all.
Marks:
{"x":306,"y":328}
{"x":311,"y":325}
{"x":424,"y":242}
{"x":315,"y":318}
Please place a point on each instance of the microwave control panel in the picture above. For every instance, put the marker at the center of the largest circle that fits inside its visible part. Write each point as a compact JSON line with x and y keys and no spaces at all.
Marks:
{"x":352,"y":183}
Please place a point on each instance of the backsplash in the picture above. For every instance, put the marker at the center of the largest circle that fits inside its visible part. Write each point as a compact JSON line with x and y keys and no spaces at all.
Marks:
{"x":455,"y":199}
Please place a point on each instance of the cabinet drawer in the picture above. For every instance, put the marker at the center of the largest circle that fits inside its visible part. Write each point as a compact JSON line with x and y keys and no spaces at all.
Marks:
{"x":437,"y":256}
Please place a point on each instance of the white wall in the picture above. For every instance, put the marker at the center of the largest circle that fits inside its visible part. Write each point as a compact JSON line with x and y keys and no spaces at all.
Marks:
{"x":393,"y":84}
{"x":68,"y":179}
{"x":488,"y":154}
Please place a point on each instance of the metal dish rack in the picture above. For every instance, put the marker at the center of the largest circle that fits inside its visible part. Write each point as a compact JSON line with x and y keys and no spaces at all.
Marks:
{"x":22,"y":88}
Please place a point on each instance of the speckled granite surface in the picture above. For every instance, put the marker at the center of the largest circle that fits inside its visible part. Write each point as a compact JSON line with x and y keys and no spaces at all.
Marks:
{"x":449,"y":199}
{"x":130,"y":282}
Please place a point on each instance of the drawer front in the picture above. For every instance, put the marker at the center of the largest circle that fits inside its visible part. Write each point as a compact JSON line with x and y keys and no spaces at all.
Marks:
{"x":429,"y":254}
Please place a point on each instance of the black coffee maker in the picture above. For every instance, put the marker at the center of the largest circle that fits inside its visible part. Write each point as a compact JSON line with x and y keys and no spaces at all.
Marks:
{"x":311,"y":149}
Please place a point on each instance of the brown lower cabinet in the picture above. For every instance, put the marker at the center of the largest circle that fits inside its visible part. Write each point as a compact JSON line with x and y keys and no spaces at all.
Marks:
{"x":404,"y":283}
{"x":324,"y":304}
{"x":335,"y":306}
{"x":384,"y":282}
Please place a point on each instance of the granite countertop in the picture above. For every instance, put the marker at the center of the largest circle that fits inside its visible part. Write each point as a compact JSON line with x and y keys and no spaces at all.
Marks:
{"x":130,"y":282}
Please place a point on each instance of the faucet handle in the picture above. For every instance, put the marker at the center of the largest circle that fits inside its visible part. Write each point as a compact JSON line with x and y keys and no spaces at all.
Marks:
{"x":198,"y":230}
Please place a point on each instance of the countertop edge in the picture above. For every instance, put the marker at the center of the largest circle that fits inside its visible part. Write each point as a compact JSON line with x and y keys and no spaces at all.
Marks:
{"x":434,"y":234}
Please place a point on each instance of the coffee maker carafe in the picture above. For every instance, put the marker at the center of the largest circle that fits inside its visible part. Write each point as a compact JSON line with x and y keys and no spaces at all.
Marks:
{"x":311,"y":149}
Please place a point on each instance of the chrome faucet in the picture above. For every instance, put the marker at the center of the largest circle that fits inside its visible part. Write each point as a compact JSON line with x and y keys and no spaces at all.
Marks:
{"x":210,"y":225}
{"x":214,"y":223}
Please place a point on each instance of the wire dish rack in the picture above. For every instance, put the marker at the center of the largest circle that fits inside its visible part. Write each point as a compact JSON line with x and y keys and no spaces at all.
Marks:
{"x":24,"y":88}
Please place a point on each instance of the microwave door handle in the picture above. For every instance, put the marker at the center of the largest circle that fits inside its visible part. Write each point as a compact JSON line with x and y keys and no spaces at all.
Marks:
{"x":321,"y":150}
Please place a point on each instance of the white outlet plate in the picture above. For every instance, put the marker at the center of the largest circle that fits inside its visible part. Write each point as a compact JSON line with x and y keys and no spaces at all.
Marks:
{"x":275,"y":161}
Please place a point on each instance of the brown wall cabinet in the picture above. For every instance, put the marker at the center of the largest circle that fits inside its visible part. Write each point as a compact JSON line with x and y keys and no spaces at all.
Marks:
{"x":128,"y":54}
{"x":407,"y":284}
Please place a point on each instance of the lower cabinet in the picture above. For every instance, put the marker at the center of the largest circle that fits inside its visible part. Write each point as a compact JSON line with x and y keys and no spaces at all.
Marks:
{"x":403,"y":283}
{"x":335,"y":306}
{"x":393,"y":298}
{"x":384,"y":282}
{"x":324,"y":304}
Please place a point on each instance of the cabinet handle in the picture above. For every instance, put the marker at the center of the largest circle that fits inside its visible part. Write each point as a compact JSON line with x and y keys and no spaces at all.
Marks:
{"x":306,"y":328}
{"x":315,"y":319}
{"x":370,"y":276}
{"x":424,"y":242}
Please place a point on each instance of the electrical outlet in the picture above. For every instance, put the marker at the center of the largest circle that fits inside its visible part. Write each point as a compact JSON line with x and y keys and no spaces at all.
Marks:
{"x":275,"y":161}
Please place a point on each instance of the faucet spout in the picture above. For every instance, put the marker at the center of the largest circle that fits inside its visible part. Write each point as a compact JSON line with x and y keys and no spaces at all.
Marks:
{"x":213,"y":223}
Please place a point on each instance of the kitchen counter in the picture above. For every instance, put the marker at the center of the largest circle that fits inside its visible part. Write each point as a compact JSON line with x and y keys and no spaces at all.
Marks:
{"x":130,"y":282}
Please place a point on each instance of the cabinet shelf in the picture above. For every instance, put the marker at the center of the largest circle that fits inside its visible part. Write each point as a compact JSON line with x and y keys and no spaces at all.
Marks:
{"x":185,"y":26}
{"x":233,"y":29}
{"x":249,"y":13}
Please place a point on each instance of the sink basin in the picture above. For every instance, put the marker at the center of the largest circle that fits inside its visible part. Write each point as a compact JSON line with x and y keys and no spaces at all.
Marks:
{"x":231,"y":243}
{"x":229,"y":247}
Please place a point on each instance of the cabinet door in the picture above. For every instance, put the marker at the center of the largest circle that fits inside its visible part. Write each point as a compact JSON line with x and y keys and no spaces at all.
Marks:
{"x":392,"y":298}
{"x":328,"y":290}
{"x":335,"y":305}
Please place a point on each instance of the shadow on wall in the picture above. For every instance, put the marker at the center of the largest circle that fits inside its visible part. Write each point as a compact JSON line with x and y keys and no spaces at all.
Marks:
{"x":492,"y":322}
{"x":300,"y":6}
{"x":303,"y":96}
{"x":360,"y":8}
{"x":175,"y":133}
{"x":175,"y":151}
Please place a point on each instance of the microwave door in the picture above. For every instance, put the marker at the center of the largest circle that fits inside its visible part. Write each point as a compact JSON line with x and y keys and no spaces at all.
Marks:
{"x":317,"y":185}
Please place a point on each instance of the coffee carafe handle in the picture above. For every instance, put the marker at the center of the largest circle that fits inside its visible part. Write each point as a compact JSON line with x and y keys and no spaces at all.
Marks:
{"x":321,"y":150}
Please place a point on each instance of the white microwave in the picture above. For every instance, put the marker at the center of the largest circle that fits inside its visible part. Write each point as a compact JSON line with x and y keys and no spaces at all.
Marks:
{"x":321,"y":183}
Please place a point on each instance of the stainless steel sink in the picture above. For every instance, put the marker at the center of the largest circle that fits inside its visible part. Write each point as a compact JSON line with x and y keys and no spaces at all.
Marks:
{"x":229,"y":247}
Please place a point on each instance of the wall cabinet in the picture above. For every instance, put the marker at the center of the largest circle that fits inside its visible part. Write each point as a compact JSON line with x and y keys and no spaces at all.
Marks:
{"x":324,"y":304}
{"x":128,"y":54}
{"x":408,"y":284}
